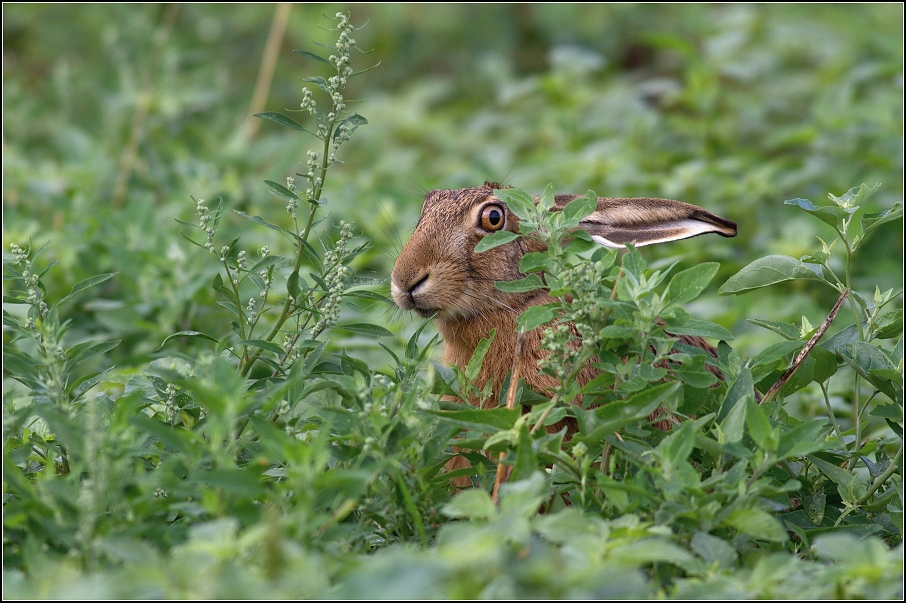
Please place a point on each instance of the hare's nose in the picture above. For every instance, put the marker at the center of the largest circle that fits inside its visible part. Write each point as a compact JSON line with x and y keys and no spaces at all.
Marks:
{"x":418,"y":284}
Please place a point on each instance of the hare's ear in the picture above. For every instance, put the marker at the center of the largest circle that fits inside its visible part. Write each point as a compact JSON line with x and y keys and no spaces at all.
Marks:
{"x":646,"y":221}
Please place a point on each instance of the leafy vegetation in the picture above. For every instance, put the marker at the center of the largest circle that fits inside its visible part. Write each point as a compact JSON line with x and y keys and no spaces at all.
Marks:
{"x":236,"y":413}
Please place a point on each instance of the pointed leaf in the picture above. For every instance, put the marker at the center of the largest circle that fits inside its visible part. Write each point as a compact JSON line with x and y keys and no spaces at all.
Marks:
{"x":313,"y":56}
{"x":282,"y":120}
{"x":829,"y":214}
{"x":198,"y":334}
{"x":364,"y":328}
{"x":86,"y":284}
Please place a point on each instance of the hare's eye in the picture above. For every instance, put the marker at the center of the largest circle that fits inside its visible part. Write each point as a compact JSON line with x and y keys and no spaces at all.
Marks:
{"x":492,"y":218}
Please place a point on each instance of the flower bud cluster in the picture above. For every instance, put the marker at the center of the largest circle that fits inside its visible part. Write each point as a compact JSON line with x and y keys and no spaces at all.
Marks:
{"x":170,"y":403}
{"x":335,"y":276}
{"x":204,"y":222}
{"x":33,"y":295}
{"x":556,"y":341}
{"x":250,"y":311}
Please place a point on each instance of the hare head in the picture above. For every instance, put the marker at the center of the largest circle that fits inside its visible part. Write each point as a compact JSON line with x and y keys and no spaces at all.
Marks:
{"x":438,"y":273}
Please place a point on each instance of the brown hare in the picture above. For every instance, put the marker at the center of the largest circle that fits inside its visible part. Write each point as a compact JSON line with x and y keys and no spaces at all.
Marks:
{"x":438,"y":273}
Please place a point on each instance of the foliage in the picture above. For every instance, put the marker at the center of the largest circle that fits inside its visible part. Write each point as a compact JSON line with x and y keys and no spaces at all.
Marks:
{"x":185,"y":429}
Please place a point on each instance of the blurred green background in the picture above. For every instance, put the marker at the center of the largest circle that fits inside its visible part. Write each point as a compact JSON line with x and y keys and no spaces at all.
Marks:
{"x":113,"y":115}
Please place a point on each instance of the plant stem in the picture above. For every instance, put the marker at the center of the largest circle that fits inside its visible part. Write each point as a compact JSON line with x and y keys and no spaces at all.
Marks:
{"x":891,"y":469}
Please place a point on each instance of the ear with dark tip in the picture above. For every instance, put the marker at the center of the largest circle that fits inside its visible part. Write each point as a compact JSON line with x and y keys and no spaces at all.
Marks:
{"x":644,"y":221}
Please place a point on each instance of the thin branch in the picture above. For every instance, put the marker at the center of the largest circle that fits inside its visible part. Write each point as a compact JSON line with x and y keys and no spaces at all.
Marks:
{"x":268,"y":65}
{"x":804,"y":352}
{"x":510,"y":404}
{"x":127,"y":165}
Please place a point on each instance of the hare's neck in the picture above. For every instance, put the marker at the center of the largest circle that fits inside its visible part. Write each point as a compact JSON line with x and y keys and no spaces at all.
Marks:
{"x":462,"y":336}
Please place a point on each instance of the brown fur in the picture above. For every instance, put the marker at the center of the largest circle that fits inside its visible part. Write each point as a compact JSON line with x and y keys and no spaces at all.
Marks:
{"x":438,"y":274}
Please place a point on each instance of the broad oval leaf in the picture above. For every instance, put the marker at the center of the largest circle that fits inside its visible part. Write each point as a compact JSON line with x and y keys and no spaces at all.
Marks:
{"x":529,"y":283}
{"x":767,"y":271}
{"x":688,"y":284}
{"x":701,"y":328}
{"x":757,"y":524}
{"x":501,"y":237}
{"x":829,"y":214}
{"x":536,"y":316}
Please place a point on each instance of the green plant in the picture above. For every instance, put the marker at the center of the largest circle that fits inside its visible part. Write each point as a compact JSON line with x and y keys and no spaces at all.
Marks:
{"x":234,"y":468}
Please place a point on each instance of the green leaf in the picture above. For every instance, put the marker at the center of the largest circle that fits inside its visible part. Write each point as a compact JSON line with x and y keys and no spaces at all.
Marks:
{"x":369,"y":295}
{"x":534,"y":260}
{"x":633,"y":262}
{"x":688,"y":284}
{"x":198,"y":334}
{"x":475,"y":362}
{"x":258,"y":219}
{"x":547,"y":198}
{"x":676,"y":447}
{"x":741,"y":387}
{"x":292,"y":285}
{"x":267,"y":262}
{"x":806,"y":438}
{"x":767,"y":271}
{"x":84,"y":351}
{"x":86,"y":284}
{"x":176,"y":438}
{"x":501,"y":237}
{"x":282,"y":120}
{"x":757,"y":524}
{"x":412,"y":345}
{"x":315,"y":57}
{"x":352,"y":123}
{"x":519,"y":202}
{"x":784,"y":329}
{"x":772,"y":354}
{"x":529,"y":283}
{"x":488,"y":420}
{"x":872,"y":221}
{"x":867,"y":359}
{"x":889,"y":325}
{"x":825,"y":364}
{"x":278,"y":190}
{"x":692,"y":372}
{"x":522,"y":498}
{"x":364,"y":328}
{"x":320,"y":82}
{"x":579,"y":209}
{"x":643,"y":551}
{"x":536,"y":316}
{"x":470,"y":504}
{"x":829,"y":214}
{"x":598,"y":422}
{"x":760,"y":429}
{"x":701,"y":328}
{"x":713,"y":549}
{"x":848,"y":484}
{"x":526,"y":462}
{"x":267,"y":346}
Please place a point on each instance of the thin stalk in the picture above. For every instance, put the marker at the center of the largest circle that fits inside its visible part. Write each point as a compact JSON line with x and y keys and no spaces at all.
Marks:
{"x":285,"y":312}
{"x":891,"y":469}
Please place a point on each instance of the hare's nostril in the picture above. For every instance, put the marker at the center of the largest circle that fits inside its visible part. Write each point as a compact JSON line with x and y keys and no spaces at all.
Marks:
{"x":419,"y":283}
